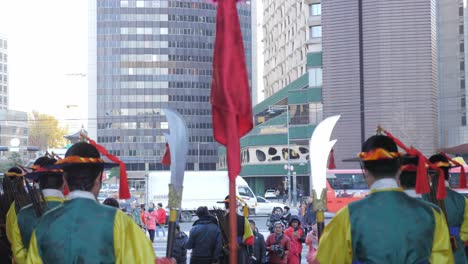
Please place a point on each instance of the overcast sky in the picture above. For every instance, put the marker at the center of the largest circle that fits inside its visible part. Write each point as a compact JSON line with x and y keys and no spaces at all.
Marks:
{"x":47,"y":48}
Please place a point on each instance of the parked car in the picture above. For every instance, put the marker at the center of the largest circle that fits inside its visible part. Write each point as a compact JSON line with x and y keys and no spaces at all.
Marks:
{"x":265,"y":207}
{"x":270,"y":194}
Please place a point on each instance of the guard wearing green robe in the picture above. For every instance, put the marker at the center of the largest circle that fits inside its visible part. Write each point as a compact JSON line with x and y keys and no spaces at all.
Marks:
{"x":82,"y":230}
{"x":387,"y":226}
{"x":456,"y":206}
{"x":51,"y":183}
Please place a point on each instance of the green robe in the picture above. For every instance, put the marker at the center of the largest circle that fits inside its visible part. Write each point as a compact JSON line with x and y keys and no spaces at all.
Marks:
{"x":387,"y":226}
{"x":84,"y":231}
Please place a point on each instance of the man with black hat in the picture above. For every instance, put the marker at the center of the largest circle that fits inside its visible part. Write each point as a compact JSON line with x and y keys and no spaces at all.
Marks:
{"x":245,"y":236}
{"x":456,"y":208}
{"x":51,"y":184}
{"x":387,"y":226}
{"x":82,"y":230}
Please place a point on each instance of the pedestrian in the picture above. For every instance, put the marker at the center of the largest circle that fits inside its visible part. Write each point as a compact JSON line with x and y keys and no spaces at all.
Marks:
{"x":161,"y":220}
{"x":142,"y":216}
{"x":278,"y":245}
{"x":111,"y":202}
{"x":456,"y":208}
{"x":51,"y":185}
{"x":296,"y":236}
{"x":309,"y":214}
{"x":286,"y":217}
{"x":179,"y":252}
{"x":258,"y":252}
{"x":244,"y":235}
{"x":82,"y":230}
{"x":387,"y":226}
{"x":311,"y":242}
{"x":205,"y":238}
{"x":151,"y":217}
{"x":135,"y":213}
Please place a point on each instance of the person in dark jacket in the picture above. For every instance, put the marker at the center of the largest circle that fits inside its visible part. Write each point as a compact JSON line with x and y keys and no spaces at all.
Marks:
{"x":286,"y":217}
{"x":309,"y":217}
{"x":205,"y":239}
{"x":258,"y":252}
{"x":179,"y":252}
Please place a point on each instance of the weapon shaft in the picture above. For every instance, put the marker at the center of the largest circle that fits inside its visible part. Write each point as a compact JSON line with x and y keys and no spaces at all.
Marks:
{"x":173,"y":213}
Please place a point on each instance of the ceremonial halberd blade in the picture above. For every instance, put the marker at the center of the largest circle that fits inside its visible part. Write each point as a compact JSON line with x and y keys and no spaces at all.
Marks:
{"x":320,"y":147}
{"x":178,"y":145}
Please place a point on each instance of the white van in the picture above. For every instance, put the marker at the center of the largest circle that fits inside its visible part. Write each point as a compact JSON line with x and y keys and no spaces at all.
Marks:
{"x":201,"y":188}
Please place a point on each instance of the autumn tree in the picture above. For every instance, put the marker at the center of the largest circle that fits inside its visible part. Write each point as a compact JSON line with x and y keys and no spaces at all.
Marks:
{"x":45,"y":131}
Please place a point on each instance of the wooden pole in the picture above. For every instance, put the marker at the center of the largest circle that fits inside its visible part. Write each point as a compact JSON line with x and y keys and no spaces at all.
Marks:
{"x":232,"y":221}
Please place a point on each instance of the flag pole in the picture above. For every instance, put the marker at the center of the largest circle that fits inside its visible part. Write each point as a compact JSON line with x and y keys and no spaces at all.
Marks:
{"x":232,"y":221}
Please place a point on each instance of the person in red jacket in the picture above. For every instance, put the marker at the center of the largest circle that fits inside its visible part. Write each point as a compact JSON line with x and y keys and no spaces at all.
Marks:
{"x":278,"y":245}
{"x":161,"y":221}
{"x":297,"y":236}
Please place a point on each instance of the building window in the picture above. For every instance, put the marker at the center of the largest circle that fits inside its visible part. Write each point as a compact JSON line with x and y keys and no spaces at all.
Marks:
{"x":460,"y":11}
{"x":463,"y":120}
{"x":315,"y":77}
{"x":462,"y":47}
{"x":462,"y":65}
{"x":460,"y":29}
{"x":463,"y":102}
{"x":315,"y":9}
{"x":462,"y":84}
{"x":315,"y":32}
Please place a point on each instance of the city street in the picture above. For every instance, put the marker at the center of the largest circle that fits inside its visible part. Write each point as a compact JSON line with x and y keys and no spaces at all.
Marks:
{"x":160,"y":242}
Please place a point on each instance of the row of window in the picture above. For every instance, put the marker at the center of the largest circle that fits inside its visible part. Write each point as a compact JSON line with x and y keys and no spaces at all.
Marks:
{"x":188,"y":98}
{"x":195,"y":19}
{"x":201,"y":139}
{"x":3,"y":57}
{"x":130,"y":125}
{"x":190,"y":71}
{"x":203,"y":152}
{"x":131,"y":139}
{"x":191,"y":58}
{"x":200,"y":125}
{"x":3,"y":68}
{"x":190,"y":45}
{"x":3,"y":78}
{"x":191,"y":31}
{"x":193,"y":85}
{"x":196,"y":112}
{"x":155,"y":98}
{"x":3,"y":88}
{"x":179,"y":4}
{"x":3,"y":44}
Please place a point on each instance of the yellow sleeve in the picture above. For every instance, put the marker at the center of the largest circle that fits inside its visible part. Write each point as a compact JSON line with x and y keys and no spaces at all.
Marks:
{"x":335,"y":243}
{"x":130,"y":243}
{"x":16,"y":241}
{"x":33,"y":251}
{"x":441,"y":248}
{"x":464,"y":226}
{"x":10,"y":220}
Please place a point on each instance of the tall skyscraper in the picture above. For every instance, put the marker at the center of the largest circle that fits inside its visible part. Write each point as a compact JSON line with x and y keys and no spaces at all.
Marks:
{"x":147,"y":55}
{"x":452,"y":72}
{"x":3,"y":72}
{"x":380,"y":68}
{"x":285,"y":49}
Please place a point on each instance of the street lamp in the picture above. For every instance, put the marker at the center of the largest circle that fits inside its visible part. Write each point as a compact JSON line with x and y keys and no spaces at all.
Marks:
{"x":288,"y":167}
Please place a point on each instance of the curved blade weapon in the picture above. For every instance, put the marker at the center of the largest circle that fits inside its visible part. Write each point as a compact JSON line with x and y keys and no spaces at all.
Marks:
{"x":178,"y":144}
{"x":320,"y":147}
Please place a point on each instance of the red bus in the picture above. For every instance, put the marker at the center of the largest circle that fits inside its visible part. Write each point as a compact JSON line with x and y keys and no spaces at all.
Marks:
{"x":345,"y":186}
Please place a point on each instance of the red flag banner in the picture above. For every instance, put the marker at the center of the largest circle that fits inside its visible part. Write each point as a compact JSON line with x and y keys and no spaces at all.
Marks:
{"x":230,"y":93}
{"x":166,"y":159}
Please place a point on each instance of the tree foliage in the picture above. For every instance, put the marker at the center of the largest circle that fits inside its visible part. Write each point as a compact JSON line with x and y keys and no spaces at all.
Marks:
{"x":45,"y":131}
